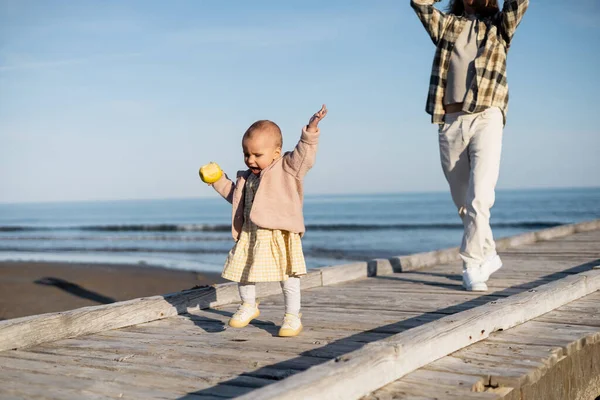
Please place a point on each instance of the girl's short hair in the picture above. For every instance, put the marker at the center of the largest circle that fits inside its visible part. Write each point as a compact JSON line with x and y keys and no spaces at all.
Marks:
{"x":265,"y":126}
{"x":457,"y":7}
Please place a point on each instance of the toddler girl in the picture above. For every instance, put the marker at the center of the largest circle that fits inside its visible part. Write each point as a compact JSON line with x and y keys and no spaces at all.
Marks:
{"x":267,"y":219}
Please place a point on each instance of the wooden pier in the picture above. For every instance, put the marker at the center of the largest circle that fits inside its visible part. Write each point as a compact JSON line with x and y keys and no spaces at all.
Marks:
{"x":399,"y":328}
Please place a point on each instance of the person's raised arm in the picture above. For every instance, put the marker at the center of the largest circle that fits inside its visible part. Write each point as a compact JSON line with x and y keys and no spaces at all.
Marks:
{"x":299,"y":161}
{"x":434,"y":21}
{"x":511,"y":16}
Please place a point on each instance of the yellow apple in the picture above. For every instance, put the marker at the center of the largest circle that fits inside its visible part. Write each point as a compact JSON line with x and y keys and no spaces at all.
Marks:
{"x":210,"y":173}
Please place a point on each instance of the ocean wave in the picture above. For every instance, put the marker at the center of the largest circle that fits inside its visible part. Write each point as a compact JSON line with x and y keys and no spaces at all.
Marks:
{"x":116,"y":238}
{"x":158,"y":228}
{"x":433,"y":226}
{"x":123,"y":228}
{"x":309,"y":251}
{"x":533,"y":225}
{"x":107,"y":249}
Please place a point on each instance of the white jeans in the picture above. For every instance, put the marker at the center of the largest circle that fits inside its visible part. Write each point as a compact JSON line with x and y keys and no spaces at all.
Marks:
{"x":470,"y":148}
{"x":291,"y":294}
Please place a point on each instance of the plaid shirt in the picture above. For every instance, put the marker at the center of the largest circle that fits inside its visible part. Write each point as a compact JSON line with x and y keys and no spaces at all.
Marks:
{"x":494,"y":34}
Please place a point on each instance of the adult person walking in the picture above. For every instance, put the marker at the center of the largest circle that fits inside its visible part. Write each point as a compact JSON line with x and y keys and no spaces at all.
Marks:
{"x":468,"y":98}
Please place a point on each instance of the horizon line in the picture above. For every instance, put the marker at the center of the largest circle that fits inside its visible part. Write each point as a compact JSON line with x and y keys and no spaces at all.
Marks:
{"x":313,"y":195}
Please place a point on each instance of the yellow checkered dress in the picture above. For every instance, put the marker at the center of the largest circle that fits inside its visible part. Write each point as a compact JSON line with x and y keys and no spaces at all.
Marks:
{"x":263,"y":255}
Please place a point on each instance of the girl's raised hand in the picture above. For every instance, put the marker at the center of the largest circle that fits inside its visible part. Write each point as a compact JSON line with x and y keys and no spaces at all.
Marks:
{"x":316,"y":118}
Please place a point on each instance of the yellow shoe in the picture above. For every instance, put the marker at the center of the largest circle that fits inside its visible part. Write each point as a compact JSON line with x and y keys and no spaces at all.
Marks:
{"x":291,"y":326}
{"x":244,"y":314}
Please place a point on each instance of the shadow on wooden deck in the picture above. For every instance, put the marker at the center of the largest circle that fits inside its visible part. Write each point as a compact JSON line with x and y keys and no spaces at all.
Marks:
{"x":282,"y":370}
{"x":75,"y":290}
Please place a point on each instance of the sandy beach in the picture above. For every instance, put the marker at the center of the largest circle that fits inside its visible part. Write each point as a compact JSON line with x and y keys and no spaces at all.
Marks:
{"x":29,"y":288}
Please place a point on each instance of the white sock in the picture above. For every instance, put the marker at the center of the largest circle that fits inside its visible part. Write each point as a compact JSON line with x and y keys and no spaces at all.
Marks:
{"x":248,"y":293}
{"x":291,"y":295}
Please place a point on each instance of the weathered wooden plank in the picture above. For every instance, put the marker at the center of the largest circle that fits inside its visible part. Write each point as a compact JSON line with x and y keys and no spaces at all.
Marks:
{"x":515,"y":241}
{"x":578,"y":307}
{"x":558,"y":246}
{"x":227,"y":365}
{"x":304,"y":343}
{"x":119,"y":364}
{"x":379,"y":363}
{"x":416,"y":391}
{"x":416,"y":291}
{"x":588,"y":226}
{"x":541,"y":347}
{"x":539,"y":264}
{"x":506,"y":364}
{"x":271,"y":315}
{"x":589,"y":301}
{"x":343,"y":273}
{"x":28,"y":331}
{"x":507,"y":284}
{"x":423,"y":260}
{"x":314,"y":330}
{"x":118,"y":374}
{"x":426,"y":377}
{"x":570,"y":337}
{"x":172,"y":376}
{"x":411,"y":306}
{"x":529,"y":263}
{"x":271,"y":345}
{"x":529,"y":353}
{"x":534,"y":368}
{"x":583,"y":237}
{"x":341,"y":294}
{"x":319,"y":318}
{"x":437,"y":385}
{"x":377,"y":301}
{"x":558,"y":231}
{"x":535,"y":328}
{"x":275,"y":353}
{"x":495,"y":374}
{"x":572,"y":318}
{"x":15,"y":389}
{"x":348,"y":319}
{"x":408,"y":284}
{"x":560,"y":261}
{"x":578,"y":257}
{"x":519,"y":267}
{"x":85,"y":387}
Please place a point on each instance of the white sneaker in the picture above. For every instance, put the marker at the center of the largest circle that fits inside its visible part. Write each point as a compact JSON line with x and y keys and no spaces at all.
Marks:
{"x":474,"y":278}
{"x":291,"y":326}
{"x":244,"y":315}
{"x":491,"y":265}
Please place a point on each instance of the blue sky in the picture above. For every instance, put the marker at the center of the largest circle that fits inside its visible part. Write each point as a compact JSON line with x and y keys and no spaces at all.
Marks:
{"x":126,"y":99}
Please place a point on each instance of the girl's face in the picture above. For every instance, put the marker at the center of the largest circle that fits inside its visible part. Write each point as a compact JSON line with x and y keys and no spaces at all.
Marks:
{"x":260,"y":150}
